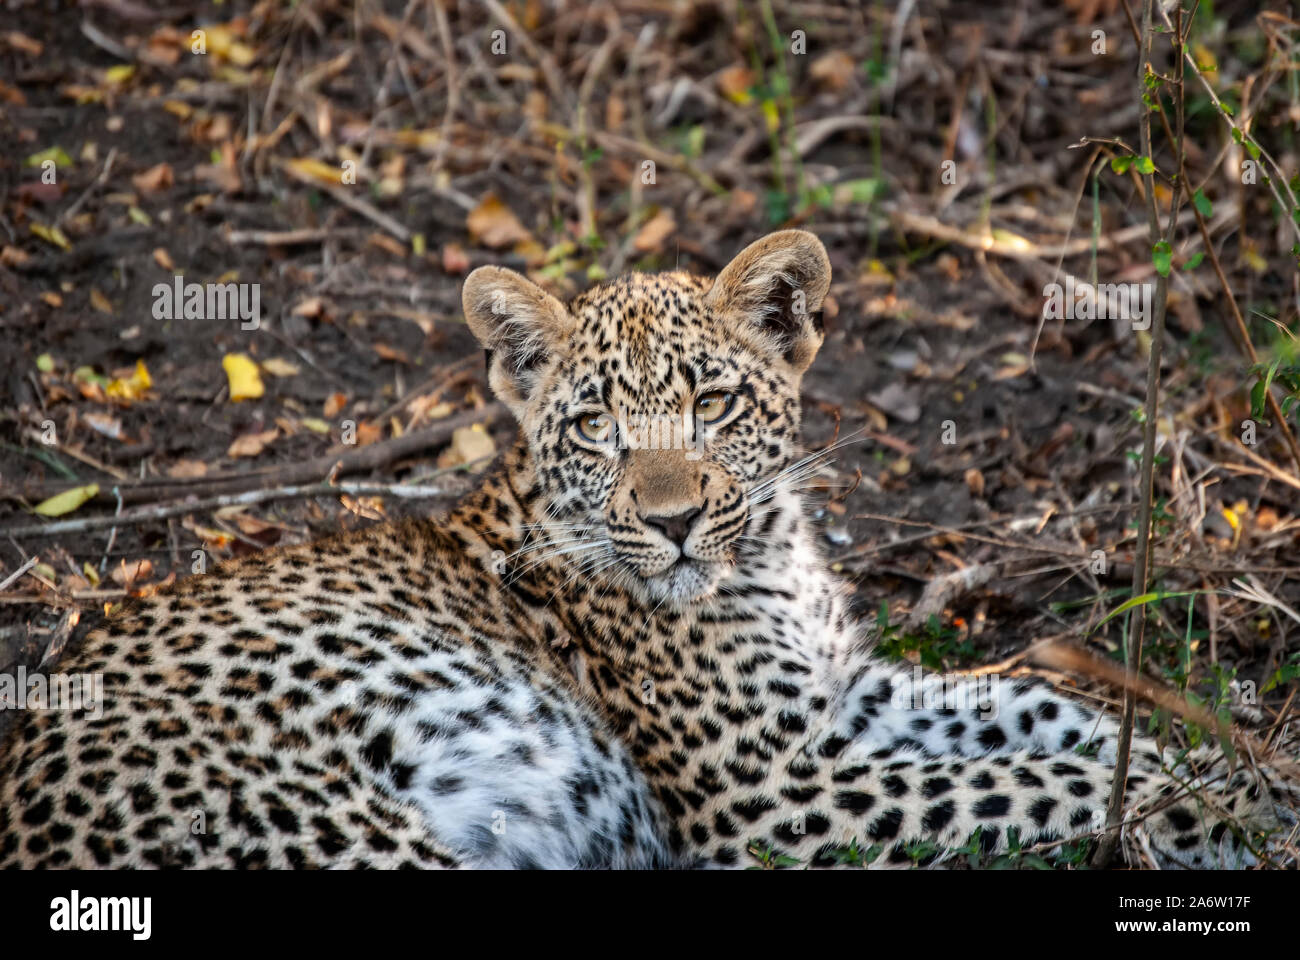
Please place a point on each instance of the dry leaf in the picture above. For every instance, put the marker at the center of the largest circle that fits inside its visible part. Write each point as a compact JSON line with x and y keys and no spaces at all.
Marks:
{"x":467,"y":445}
{"x":20,"y":41}
{"x":334,"y":403}
{"x":110,"y":427}
{"x":391,"y":353}
{"x":735,"y":83}
{"x":493,"y":224}
{"x":833,"y":70}
{"x":655,"y":231}
{"x":156,"y":178}
{"x":187,"y":468}
{"x":126,"y":573}
{"x":453,"y":259}
{"x":369,"y":432}
{"x":311,"y":170}
{"x":100,"y":302}
{"x":277,"y":367}
{"x":251,"y":444}
{"x":312,"y":307}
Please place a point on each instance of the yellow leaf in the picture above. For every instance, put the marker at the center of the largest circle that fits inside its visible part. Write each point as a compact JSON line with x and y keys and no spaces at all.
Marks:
{"x":134,"y":386}
{"x":315,"y":424}
{"x":279,"y":368}
{"x":51,"y":235}
{"x":315,"y":171}
{"x":92,"y":575}
{"x":119,"y":74}
{"x":245,"y":381}
{"x":67,"y":501}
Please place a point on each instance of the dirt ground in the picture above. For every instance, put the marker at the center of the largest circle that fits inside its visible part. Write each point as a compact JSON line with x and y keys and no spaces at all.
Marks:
{"x":936,"y":151}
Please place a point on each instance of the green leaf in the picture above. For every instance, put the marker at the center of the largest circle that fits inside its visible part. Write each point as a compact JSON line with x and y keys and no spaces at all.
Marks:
{"x":67,"y":501}
{"x":45,"y":363}
{"x":57,"y":154}
{"x":1259,"y":392}
{"x":1203,"y":203}
{"x":1121,"y":164}
{"x":1144,"y":599}
{"x":1194,"y":260}
{"x":1162,"y":256}
{"x":1145,"y":166}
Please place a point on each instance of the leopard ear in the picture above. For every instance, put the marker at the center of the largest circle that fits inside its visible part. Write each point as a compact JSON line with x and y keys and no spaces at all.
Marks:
{"x":519,"y":325}
{"x":774,"y":288}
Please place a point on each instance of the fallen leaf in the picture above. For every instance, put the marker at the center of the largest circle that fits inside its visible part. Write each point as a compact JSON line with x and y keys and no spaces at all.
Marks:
{"x":51,"y":235}
{"x":163,"y":259}
{"x":132,"y":387}
{"x":311,"y":308}
{"x":493,"y":224}
{"x":13,"y":257}
{"x":333,"y":404}
{"x":251,"y":444}
{"x":67,"y":501}
{"x":20,"y":41}
{"x":100,"y":302}
{"x":110,"y":427}
{"x":655,"y":231}
{"x":126,"y":573}
{"x":315,"y":425}
{"x":467,"y":445}
{"x":369,"y":432}
{"x":311,"y":170}
{"x":245,"y":381}
{"x":155,"y":179}
{"x":277,"y":367}
{"x":735,"y":83}
{"x":833,"y":70}
{"x":56,"y":154}
{"x":187,"y":468}
{"x":453,"y":259}
{"x":391,"y":353}
{"x":221,"y":41}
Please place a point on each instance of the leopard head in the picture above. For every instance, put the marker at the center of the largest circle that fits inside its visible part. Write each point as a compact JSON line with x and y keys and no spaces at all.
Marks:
{"x":654,"y":406}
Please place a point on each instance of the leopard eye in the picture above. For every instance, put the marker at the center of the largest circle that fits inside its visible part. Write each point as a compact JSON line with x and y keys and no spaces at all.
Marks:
{"x":713,"y":406}
{"x":595,"y":427}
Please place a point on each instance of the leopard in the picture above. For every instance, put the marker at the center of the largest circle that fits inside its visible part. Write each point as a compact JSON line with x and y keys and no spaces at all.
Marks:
{"x":623,"y":650}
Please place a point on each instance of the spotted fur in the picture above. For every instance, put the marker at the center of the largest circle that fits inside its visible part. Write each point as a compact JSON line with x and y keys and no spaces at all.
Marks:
{"x":618,"y":652}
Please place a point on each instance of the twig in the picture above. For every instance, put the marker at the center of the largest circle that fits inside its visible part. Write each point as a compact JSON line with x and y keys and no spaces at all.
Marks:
{"x":248,"y":498}
{"x":31,"y":562}
{"x":90,"y":190}
{"x":353,"y":461}
{"x":1142,"y":551}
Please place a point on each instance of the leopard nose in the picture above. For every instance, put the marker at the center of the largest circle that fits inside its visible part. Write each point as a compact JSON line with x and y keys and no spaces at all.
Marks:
{"x":676,"y":528}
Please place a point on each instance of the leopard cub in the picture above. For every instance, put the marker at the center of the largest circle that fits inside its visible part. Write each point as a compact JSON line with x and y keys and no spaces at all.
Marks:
{"x":622,"y":650}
